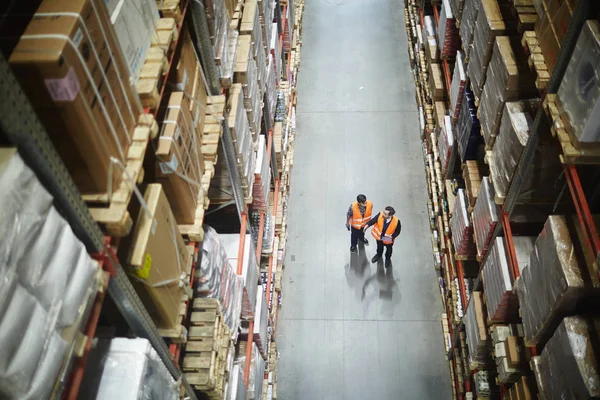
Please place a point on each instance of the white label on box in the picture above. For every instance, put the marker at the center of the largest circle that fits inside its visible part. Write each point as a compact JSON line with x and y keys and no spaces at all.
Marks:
{"x":170,"y":166}
{"x":181,"y":85}
{"x":78,"y":37}
{"x":63,"y":89}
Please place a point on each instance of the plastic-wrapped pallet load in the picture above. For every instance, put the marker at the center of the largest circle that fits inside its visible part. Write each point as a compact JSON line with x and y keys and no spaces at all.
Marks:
{"x":539,"y":181}
{"x":250,"y":273}
{"x":262,"y":178}
{"x":261,"y":321}
{"x":579,"y":91}
{"x":126,"y":369}
{"x":237,"y":389}
{"x":449,"y":39}
{"x":246,"y":73}
{"x":502,"y":304}
{"x":568,"y":365}
{"x":468,"y":128}
{"x":46,"y":283}
{"x":508,"y":79}
{"x":217,"y":279}
{"x":457,"y":8}
{"x":485,"y":216}
{"x":257,"y":372}
{"x":446,"y":146}
{"x":271,"y":90}
{"x":467,"y":25}
{"x":489,"y":24}
{"x":555,"y":281}
{"x":462,"y":229}
{"x":476,"y":331}
{"x":459,"y":82}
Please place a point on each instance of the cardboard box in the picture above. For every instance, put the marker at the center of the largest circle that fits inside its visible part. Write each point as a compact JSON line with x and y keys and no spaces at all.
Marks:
{"x":157,"y":259}
{"x":180,"y":162}
{"x":135,"y":24}
{"x":513,"y":352}
{"x":187,"y":63}
{"x":88,"y":109}
{"x":199,"y":100}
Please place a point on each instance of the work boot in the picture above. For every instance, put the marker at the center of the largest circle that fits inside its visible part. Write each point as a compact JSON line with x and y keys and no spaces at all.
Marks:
{"x":352,"y":249}
{"x":365,"y":241}
{"x":376,"y":258}
{"x":388,"y":262}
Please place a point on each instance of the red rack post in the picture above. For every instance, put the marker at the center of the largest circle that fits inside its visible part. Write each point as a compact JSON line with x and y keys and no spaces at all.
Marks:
{"x":510,"y":246}
{"x":248,"y":352}
{"x":461,"y":284}
{"x":240,"y":264}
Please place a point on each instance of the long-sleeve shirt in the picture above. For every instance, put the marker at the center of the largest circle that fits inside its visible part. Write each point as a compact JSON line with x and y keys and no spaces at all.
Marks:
{"x":350,"y":212}
{"x":386,"y":223}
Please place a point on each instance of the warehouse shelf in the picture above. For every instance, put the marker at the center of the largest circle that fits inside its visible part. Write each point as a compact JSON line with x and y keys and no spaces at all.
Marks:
{"x":505,"y":228}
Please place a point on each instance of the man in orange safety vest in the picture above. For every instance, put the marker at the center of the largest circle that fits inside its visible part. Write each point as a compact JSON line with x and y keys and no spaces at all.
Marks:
{"x":357,"y":217}
{"x":386,"y":228}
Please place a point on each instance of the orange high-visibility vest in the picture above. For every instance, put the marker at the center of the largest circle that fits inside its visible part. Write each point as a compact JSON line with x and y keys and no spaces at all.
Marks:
{"x":359,"y":220}
{"x":386,"y":238}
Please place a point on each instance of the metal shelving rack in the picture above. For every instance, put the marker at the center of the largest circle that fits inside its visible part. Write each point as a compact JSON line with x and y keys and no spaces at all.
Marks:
{"x":573,"y":181}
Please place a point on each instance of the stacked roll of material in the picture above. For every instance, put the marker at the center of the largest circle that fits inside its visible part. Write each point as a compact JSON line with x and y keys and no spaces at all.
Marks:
{"x":459,"y":83}
{"x":508,"y":79}
{"x":485,"y":216}
{"x":568,"y":365}
{"x":502,"y":303}
{"x":462,"y":229}
{"x":468,"y":128}
{"x":467,"y":25}
{"x":448,"y":35}
{"x":539,"y":182}
{"x":556,"y":280}
{"x":446,"y":146}
{"x":489,"y":24}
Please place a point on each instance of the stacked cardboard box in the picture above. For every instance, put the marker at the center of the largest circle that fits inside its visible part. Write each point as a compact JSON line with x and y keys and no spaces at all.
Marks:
{"x":447,"y":147}
{"x":468,"y":128}
{"x":467,"y":25}
{"x":462,"y":228}
{"x":89,"y":109}
{"x":485,"y":216}
{"x":523,"y":389}
{"x":472,"y":178}
{"x":502,"y":303}
{"x":508,"y":79}
{"x":246,"y":74}
{"x":554,"y":19}
{"x":459,"y":83}
{"x":262,"y":178}
{"x":477,"y":335}
{"x":509,"y":352}
{"x":449,"y":38}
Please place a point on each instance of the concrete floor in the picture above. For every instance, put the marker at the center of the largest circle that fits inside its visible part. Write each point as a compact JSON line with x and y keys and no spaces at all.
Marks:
{"x":349,"y":329}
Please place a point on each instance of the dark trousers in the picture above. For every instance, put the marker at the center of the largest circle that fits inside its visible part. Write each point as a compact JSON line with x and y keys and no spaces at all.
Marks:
{"x":388,"y":249}
{"x":356,"y":234}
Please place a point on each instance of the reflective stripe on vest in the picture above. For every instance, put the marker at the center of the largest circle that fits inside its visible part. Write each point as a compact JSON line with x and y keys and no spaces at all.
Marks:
{"x":359,"y":220}
{"x":378,"y":227}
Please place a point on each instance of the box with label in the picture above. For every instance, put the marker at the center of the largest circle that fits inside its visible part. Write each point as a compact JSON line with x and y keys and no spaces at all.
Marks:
{"x":180,"y":162}
{"x":186,"y":64}
{"x":135,"y":23}
{"x":158,"y":258}
{"x":70,"y":65}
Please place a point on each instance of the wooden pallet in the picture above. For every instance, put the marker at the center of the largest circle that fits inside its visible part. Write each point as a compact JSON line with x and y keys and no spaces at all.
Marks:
{"x":536,"y":60}
{"x":156,"y":65}
{"x":111,"y":209}
{"x":207,"y":360}
{"x":179,"y":334}
{"x":170,"y":9}
{"x":560,"y":129}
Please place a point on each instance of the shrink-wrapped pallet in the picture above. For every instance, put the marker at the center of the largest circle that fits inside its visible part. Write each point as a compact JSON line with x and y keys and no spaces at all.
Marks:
{"x":488,"y":25}
{"x":539,"y":181}
{"x":467,"y":25}
{"x":459,"y":83}
{"x":217,"y":278}
{"x":468,"y":128}
{"x":262,"y":177}
{"x":462,"y":229}
{"x":485,"y":216}
{"x":457,"y":8}
{"x":477,"y":336}
{"x":449,"y":39}
{"x":126,"y":369}
{"x":502,"y":304}
{"x":47,"y":280}
{"x":556,"y":280}
{"x":568,"y":365}
{"x":446,"y":146}
{"x":579,"y":91}
{"x":508,"y":79}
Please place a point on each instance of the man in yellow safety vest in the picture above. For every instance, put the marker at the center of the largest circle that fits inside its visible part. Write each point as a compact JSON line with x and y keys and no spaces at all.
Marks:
{"x":386,"y":228}
{"x":357,"y":217}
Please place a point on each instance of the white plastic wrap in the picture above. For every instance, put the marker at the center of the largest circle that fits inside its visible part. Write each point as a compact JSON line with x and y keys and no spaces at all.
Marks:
{"x":462,"y":229}
{"x":46,"y":281}
{"x":446,"y":146}
{"x":261,"y":322}
{"x":502,"y":303}
{"x":126,"y":369}
{"x":477,"y":340}
{"x":579,"y":91}
{"x":485,"y":216}
{"x":217,"y":279}
{"x":250,"y":274}
{"x":237,"y":389}
{"x":459,"y":82}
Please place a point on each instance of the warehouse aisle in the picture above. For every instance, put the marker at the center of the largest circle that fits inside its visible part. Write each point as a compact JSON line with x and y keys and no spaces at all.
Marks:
{"x":346,"y":329}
